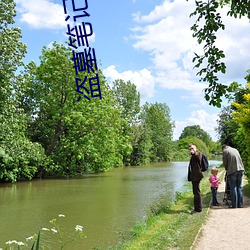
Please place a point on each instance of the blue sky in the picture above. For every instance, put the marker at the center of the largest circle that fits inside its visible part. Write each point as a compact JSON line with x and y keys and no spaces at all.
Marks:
{"x":148,"y":42}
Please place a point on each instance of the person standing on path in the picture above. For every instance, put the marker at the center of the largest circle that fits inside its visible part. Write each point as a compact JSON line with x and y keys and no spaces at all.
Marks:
{"x":235,"y":169}
{"x":195,"y":175}
{"x":214,"y":186}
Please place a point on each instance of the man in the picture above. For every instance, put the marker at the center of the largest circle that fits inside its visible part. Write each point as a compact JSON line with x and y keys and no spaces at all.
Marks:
{"x":235,"y":170}
{"x":195,"y":175}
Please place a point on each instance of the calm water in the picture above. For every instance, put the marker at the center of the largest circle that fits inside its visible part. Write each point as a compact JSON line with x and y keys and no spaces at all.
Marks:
{"x":104,"y":204}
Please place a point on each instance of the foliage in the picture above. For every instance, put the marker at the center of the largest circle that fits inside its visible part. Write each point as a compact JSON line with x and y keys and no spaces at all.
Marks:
{"x":242,"y":116}
{"x":227,"y":127}
{"x":127,"y":98}
{"x":12,"y":50}
{"x":205,"y":28}
{"x":21,"y":158}
{"x":201,"y":146}
{"x":156,"y":121}
{"x":142,"y":145}
{"x":196,"y":131}
{"x":181,"y":154}
{"x":233,"y":123}
{"x":215,"y":148}
{"x":78,"y":136}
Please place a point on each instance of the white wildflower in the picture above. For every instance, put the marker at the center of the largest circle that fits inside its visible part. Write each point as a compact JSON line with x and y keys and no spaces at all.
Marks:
{"x":20,"y":243}
{"x":29,"y":238}
{"x":45,"y":229}
{"x":78,"y":228}
{"x":61,"y":215}
{"x":10,"y":242}
{"x":54,"y":230}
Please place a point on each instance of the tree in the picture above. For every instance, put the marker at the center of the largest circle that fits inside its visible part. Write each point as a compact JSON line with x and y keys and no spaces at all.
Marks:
{"x":242,"y":116}
{"x":208,"y":23}
{"x":230,"y":130}
{"x":157,"y":122}
{"x":227,"y":127}
{"x":142,"y":145}
{"x":12,"y":50}
{"x":20,"y":158}
{"x":183,"y":144}
{"x":196,"y":131}
{"x":79,"y":136}
{"x":128,"y":100}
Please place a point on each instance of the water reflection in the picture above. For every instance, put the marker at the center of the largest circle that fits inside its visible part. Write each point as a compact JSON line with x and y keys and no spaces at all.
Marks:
{"x":105,"y":204}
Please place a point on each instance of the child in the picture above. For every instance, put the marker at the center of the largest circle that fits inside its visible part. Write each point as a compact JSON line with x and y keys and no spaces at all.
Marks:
{"x":214,"y":185}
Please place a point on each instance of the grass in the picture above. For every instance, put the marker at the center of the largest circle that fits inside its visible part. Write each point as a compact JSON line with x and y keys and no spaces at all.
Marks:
{"x":246,"y":188}
{"x":170,"y":226}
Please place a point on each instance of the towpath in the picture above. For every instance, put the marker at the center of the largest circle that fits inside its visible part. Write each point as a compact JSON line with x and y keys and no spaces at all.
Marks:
{"x":225,"y":228}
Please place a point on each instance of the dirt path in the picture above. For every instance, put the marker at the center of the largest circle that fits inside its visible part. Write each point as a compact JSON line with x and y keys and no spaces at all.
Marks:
{"x":225,"y":228}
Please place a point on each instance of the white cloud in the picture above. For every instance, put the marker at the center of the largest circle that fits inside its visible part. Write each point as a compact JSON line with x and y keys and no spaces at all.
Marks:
{"x":143,"y":80}
{"x":165,"y":33}
{"x":45,"y":14}
{"x":234,"y":41}
{"x":42,"y":14}
{"x":208,"y":122}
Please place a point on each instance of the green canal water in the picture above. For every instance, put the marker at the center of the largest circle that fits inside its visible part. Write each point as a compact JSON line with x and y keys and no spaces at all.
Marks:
{"x":106,"y":204}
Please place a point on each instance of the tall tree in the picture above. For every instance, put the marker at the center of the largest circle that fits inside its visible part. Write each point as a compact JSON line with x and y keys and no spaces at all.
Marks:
{"x":128,"y":100}
{"x":20,"y":158}
{"x":242,"y":116}
{"x":227,"y":127}
{"x":196,"y":131}
{"x":78,"y":136}
{"x":157,"y":121}
{"x":184,"y":142}
{"x":12,"y":50}
{"x":229,"y":130}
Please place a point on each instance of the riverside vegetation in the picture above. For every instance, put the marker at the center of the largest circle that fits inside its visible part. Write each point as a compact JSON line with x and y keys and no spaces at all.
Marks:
{"x":171,"y":226}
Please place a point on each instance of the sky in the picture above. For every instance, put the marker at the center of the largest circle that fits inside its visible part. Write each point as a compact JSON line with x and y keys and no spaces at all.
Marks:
{"x":147,"y":42}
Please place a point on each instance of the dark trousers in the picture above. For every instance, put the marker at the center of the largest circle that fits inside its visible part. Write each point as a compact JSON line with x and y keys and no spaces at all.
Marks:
{"x":235,"y":181}
{"x":214,"y":196}
{"x":197,"y":196}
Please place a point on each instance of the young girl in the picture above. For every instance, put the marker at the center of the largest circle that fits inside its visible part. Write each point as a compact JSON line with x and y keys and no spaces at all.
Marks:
{"x":214,"y":185}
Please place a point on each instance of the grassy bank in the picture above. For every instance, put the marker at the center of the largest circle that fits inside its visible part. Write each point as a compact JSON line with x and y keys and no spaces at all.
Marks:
{"x":170,"y":227}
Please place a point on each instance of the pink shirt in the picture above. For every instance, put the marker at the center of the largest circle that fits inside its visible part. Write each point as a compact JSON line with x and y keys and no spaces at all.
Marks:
{"x":214,"y":181}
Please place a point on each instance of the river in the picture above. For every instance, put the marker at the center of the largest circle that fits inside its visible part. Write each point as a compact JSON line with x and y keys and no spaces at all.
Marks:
{"x":104,"y":204}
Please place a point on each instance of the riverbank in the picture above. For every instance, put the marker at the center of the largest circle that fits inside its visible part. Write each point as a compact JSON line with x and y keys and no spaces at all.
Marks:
{"x":172,"y":227}
{"x":175,"y":228}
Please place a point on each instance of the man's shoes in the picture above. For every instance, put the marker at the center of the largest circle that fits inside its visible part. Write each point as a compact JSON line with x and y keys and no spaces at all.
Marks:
{"x":231,"y":206}
{"x":217,"y":204}
{"x":194,"y":212}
